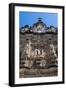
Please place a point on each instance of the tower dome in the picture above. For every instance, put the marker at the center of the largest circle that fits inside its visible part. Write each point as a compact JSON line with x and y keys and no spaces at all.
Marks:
{"x":39,"y":26}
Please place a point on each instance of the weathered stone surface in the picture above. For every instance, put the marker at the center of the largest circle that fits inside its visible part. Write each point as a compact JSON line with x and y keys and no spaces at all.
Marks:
{"x":38,"y":51}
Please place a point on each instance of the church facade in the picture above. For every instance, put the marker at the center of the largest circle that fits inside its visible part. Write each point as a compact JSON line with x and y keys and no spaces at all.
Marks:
{"x":38,"y":50}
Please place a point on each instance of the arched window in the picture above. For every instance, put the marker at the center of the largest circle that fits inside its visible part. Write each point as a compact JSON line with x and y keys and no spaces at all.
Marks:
{"x":41,"y":51}
{"x":37,"y":52}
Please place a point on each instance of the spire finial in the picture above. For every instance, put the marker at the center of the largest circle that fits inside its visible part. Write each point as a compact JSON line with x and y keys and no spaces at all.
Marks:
{"x":39,"y":19}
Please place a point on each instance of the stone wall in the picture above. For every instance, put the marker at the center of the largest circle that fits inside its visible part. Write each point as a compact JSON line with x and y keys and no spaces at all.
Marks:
{"x":38,"y":50}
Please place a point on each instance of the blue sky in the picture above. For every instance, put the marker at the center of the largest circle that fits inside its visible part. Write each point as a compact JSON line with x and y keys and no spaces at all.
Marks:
{"x":29,"y":18}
